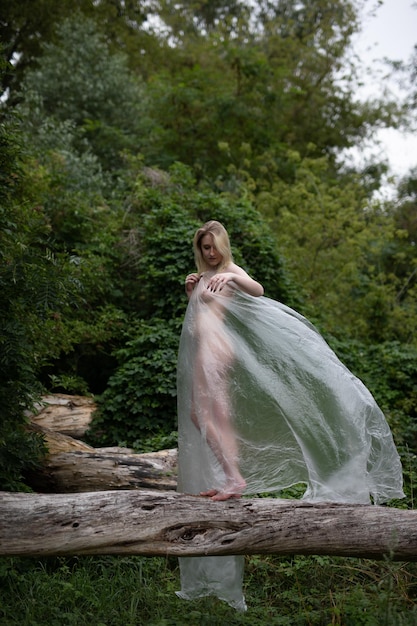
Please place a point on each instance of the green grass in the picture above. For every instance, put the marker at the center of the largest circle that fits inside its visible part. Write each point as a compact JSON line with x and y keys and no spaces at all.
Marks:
{"x":133,"y":591}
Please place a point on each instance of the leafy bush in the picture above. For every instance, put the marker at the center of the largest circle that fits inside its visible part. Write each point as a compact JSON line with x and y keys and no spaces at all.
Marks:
{"x":140,"y":399}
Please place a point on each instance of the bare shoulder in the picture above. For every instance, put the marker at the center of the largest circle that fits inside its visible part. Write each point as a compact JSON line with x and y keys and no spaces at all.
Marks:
{"x":244,"y":281}
{"x":235,"y":269}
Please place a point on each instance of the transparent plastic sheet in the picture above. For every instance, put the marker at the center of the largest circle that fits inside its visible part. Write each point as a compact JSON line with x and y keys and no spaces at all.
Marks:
{"x":296,"y":414}
{"x":221,"y":576}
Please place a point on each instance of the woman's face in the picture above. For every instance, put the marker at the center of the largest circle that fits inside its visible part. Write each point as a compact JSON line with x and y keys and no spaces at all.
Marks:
{"x":209,"y":251}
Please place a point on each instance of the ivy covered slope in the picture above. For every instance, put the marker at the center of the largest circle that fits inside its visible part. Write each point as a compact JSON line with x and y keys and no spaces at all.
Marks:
{"x":119,"y":140}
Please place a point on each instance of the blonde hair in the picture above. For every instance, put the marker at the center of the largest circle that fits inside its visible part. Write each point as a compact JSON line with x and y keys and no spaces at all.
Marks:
{"x":221,"y":242}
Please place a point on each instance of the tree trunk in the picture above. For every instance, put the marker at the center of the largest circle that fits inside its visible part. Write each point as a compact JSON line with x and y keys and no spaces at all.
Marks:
{"x":73,"y":466}
{"x":70,"y":415}
{"x":103,"y":469}
{"x":155,"y":523}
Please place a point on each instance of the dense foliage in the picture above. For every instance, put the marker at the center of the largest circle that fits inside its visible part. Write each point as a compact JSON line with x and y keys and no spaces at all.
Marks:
{"x":36,"y":285}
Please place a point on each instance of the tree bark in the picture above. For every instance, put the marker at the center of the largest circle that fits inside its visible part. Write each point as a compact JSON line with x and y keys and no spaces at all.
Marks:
{"x":56,"y":442}
{"x":157,"y":523}
{"x":73,"y":466}
{"x":103,"y":469}
{"x":69,"y":415}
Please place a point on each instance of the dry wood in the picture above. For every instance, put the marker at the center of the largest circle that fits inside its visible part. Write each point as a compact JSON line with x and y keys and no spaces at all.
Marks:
{"x":73,"y":466}
{"x":166,"y":523}
{"x":103,"y":469}
{"x":56,"y":442}
{"x":70,"y":415}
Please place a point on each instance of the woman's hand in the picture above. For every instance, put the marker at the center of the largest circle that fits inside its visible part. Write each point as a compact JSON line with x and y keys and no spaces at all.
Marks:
{"x":219,"y":281}
{"x":190,"y":283}
{"x":240,"y":280}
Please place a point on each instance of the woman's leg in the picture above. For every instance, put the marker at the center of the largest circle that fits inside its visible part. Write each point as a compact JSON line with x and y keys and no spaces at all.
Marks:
{"x":212,"y":415}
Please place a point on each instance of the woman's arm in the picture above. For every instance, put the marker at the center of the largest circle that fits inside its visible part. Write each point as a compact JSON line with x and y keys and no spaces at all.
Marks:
{"x":190,"y":283}
{"x":235,"y":274}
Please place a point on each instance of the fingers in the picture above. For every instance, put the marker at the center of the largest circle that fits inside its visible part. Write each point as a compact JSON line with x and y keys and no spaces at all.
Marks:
{"x":190,"y":282}
{"x":217,"y":283}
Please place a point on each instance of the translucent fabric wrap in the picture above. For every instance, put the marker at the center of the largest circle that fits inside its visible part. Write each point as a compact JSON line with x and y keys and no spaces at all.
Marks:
{"x":297,"y":414}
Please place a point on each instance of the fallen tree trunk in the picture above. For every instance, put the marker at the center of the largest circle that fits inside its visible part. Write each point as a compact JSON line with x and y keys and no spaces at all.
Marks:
{"x":73,"y":466}
{"x":155,"y":523}
{"x":69,"y":415}
{"x":103,"y":469}
{"x":56,"y":442}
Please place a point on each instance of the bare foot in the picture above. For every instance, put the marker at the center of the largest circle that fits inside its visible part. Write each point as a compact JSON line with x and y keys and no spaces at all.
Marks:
{"x":208,"y":494}
{"x":225,"y":495}
{"x":231,"y":490}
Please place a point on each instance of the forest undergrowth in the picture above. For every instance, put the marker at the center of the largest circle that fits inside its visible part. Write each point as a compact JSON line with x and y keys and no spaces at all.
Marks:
{"x":136,"y":591}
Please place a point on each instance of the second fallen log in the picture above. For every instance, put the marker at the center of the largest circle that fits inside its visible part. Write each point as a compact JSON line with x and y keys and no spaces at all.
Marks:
{"x":72,"y":466}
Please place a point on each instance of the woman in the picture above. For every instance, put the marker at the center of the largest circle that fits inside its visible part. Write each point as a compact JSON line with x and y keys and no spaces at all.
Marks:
{"x":211,"y":411}
{"x":264,"y":403}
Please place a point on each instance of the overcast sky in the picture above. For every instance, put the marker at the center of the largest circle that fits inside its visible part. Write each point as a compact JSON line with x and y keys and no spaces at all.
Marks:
{"x":390,"y":31}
